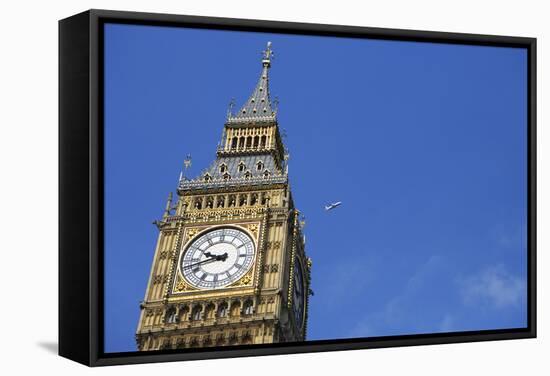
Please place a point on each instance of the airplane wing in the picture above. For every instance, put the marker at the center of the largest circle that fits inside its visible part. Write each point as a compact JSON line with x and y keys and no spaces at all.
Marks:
{"x":332,"y":206}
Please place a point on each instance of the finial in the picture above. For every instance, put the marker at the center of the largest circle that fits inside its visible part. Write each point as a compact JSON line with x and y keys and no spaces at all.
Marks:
{"x":286,"y":157}
{"x":187,"y":161}
{"x":186,"y":164}
{"x":230,"y":109}
{"x":267,"y":55}
{"x":276,"y":105}
{"x":168,"y":208}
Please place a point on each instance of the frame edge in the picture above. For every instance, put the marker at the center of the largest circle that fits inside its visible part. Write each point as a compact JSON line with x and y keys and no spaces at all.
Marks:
{"x":74,"y":273}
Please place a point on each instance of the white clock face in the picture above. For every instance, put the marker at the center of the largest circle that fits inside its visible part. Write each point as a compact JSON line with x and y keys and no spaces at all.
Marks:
{"x":298,"y":295}
{"x":218,"y":258}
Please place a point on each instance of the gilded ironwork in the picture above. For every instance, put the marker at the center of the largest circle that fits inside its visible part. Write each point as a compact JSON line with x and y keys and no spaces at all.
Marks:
{"x":244,"y":281}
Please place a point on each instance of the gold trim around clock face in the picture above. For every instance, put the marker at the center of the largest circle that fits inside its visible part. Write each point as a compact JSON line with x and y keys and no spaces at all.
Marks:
{"x":251,"y":229}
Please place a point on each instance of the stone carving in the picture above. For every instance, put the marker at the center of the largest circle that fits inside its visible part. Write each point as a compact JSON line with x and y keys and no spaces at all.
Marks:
{"x":190,"y":233}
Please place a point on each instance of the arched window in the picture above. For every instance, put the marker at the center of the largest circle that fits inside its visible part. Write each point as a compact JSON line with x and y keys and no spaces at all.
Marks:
{"x":241,"y":142}
{"x":196,"y":315}
{"x":198,"y":203}
{"x":223,"y":310}
{"x":241,"y":166}
{"x":226,"y":176}
{"x":171,"y":316}
{"x":221,"y":202}
{"x":207,"y":177}
{"x":256,"y":141}
{"x":263,"y":141}
{"x":234,"y":142}
{"x":259,"y":165}
{"x":210,"y":202}
{"x":242,"y":200}
{"x":248,"y":308}
{"x":223,"y":168}
{"x":249,"y":141}
{"x":266,"y":174}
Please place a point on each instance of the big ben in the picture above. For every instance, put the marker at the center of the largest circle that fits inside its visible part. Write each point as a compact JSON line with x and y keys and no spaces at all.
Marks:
{"x":230,"y":266}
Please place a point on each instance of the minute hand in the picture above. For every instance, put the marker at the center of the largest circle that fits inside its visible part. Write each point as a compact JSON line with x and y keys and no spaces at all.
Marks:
{"x":211,"y":259}
{"x":201,"y":262}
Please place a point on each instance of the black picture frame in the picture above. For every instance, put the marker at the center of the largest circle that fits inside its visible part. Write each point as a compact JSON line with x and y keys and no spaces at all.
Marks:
{"x":80,"y":175}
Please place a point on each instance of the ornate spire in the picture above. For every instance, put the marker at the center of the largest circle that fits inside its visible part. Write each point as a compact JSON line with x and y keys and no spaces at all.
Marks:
{"x":258,"y":107}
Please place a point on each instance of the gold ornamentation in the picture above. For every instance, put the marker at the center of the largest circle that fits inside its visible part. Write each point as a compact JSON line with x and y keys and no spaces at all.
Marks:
{"x":244,"y":281}
{"x":242,"y":213}
{"x":253,"y":229}
{"x":181,"y":286}
{"x":190,"y":233}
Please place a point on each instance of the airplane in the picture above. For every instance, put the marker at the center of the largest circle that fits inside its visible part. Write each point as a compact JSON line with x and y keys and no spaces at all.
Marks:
{"x":332,"y":206}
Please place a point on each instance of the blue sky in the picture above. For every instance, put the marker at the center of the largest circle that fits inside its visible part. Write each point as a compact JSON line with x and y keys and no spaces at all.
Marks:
{"x":424,"y":143}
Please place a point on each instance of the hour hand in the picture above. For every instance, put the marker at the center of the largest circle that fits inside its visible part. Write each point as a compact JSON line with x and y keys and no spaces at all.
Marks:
{"x":222,"y":257}
{"x":207,"y":261}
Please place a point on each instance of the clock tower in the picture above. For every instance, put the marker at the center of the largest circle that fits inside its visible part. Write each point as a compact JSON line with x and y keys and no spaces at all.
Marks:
{"x":230,"y":265}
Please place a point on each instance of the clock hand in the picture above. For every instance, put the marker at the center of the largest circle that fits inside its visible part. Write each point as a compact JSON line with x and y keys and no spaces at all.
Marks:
{"x":201,"y":262}
{"x":209,"y":260}
{"x":222,"y":257}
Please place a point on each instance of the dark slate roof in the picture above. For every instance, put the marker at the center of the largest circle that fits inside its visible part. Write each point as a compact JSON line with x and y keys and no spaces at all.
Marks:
{"x":250,"y":164}
{"x":257,"y":177}
{"x":258,"y":107}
